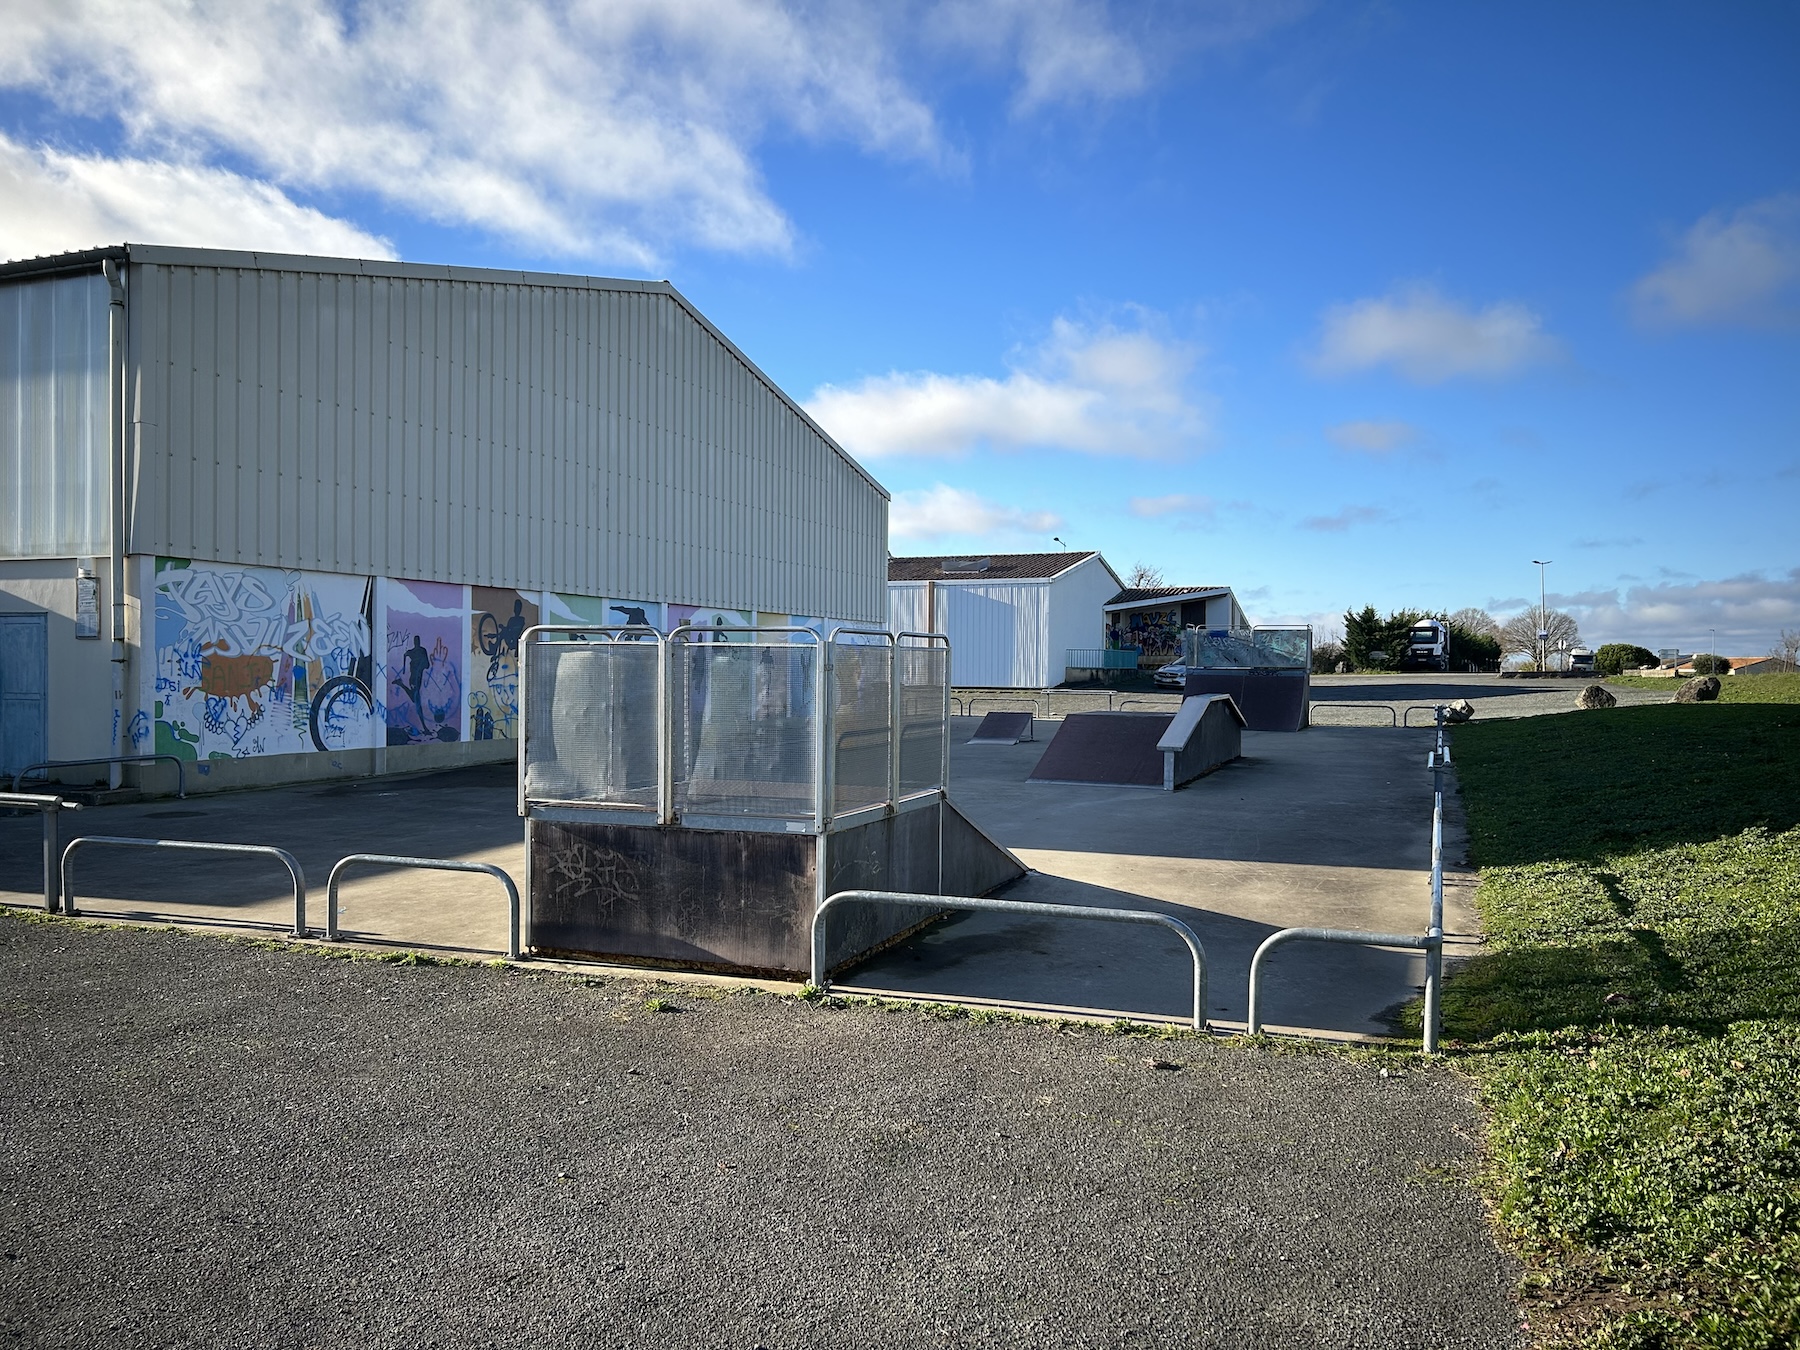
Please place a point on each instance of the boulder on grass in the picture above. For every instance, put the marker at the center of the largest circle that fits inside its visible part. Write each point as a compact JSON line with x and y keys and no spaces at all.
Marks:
{"x":1703,"y":690}
{"x":1596,"y":696}
{"x":1460,"y":711}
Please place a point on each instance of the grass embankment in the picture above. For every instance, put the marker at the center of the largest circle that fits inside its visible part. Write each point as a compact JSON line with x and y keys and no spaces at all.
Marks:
{"x":1636,"y":1019}
{"x":1732,"y":688}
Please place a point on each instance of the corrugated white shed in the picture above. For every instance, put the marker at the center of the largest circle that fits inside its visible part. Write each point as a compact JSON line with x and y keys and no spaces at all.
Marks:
{"x":1012,"y":618}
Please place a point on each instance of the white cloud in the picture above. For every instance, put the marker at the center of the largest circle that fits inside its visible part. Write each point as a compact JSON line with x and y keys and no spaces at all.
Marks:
{"x":605,"y":129}
{"x":942,"y":511}
{"x":1339,"y":521}
{"x":1747,"y":612}
{"x":1186,"y":504}
{"x":1098,"y":391}
{"x":1372,"y":438}
{"x":583,"y":128}
{"x":51,"y":202}
{"x":1430,"y":339}
{"x":1736,"y":268}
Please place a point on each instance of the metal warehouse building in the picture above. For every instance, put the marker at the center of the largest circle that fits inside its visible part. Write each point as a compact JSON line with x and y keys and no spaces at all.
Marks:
{"x":286,"y":517}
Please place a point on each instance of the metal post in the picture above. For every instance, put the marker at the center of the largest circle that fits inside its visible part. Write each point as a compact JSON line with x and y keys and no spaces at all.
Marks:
{"x":825,"y":712}
{"x":1434,"y":954}
{"x":52,"y":871}
{"x":896,"y":721}
{"x":665,"y":734}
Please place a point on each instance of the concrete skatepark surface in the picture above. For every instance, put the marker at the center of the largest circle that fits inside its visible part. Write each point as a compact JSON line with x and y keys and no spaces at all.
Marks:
{"x":1323,"y":827}
{"x":216,"y":1144}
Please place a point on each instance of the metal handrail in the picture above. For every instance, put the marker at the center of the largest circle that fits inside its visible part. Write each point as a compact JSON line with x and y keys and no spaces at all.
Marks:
{"x":176,"y":760}
{"x":1406,"y":716}
{"x":1371,"y":705}
{"x":821,"y":981}
{"x":128,"y":841}
{"x":332,"y":933}
{"x":1124,"y":703}
{"x":48,"y":806}
{"x":1036,"y":708}
{"x":1431,"y":942}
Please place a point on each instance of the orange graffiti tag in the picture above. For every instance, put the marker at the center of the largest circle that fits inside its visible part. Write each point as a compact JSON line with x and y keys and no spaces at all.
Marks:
{"x":235,"y":676}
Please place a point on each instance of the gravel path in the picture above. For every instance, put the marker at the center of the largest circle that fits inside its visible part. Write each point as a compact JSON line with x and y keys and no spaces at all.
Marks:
{"x":216,"y":1144}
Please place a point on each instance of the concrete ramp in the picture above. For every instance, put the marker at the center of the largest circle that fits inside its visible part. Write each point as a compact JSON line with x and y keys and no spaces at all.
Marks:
{"x":1206,"y":734}
{"x":1111,"y":749}
{"x":741,"y":901}
{"x":1004,"y":728}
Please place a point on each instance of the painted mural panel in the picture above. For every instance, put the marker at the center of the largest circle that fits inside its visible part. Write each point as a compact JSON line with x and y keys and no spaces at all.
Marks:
{"x":421,"y":673}
{"x":648,"y":612}
{"x":498,"y":618}
{"x":261,"y":661}
{"x":721,"y":621}
{"x":1156,"y":633}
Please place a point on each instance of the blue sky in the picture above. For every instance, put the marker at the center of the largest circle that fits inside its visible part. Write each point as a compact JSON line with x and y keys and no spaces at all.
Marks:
{"x":1337,"y":304}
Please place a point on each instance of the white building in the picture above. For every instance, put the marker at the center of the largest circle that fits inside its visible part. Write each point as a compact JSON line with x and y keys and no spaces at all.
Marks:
{"x":1012,"y":618}
{"x":285,"y":517}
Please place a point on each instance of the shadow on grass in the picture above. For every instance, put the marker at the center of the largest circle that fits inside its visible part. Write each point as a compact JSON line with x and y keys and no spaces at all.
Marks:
{"x":1589,"y":786}
{"x":1703,"y":982}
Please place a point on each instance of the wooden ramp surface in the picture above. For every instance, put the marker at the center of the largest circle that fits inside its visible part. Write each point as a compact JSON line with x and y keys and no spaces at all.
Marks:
{"x":1110,"y":748}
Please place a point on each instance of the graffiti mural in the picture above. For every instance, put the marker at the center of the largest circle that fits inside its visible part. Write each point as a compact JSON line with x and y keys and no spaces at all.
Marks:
{"x":645,"y":613}
{"x":1155,"y":632}
{"x":421,"y":674}
{"x":721,"y":621}
{"x":261,"y":661}
{"x":498,"y":618}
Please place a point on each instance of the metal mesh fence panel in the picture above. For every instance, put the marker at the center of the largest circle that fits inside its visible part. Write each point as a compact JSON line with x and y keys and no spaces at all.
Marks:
{"x":1247,"y":648}
{"x":924,"y":673}
{"x":591,"y":723}
{"x":745,"y":728}
{"x":862,"y":729}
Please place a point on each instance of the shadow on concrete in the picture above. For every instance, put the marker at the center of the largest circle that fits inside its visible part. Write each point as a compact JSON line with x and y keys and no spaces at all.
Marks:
{"x":1087,"y":965}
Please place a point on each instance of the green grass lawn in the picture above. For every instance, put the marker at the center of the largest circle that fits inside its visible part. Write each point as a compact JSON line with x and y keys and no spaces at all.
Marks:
{"x":1732,"y":688}
{"x":1635,"y":1021}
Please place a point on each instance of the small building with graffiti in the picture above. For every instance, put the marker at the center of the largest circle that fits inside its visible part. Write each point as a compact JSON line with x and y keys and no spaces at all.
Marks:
{"x":1150,"y":620}
{"x":288,"y":517}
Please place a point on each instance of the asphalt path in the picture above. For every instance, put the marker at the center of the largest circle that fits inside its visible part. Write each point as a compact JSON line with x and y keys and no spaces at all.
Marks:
{"x":211,"y":1143}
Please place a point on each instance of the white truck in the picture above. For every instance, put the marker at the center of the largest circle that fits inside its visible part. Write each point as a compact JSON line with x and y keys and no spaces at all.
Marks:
{"x":1427,"y":646}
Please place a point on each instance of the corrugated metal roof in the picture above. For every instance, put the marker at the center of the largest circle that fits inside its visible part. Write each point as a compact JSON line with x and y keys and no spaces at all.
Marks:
{"x":1000,"y":566}
{"x":1141,"y":595}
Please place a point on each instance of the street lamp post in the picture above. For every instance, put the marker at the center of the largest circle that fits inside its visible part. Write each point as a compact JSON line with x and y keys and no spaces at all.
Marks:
{"x":1543,"y":615}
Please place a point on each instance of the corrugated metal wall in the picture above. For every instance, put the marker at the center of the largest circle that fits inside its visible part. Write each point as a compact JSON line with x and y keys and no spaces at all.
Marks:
{"x":997,"y":634}
{"x":53,"y":426}
{"x":562,"y":434}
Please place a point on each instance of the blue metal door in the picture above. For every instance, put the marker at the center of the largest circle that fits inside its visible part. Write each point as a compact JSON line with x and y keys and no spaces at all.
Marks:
{"x":24,"y":691}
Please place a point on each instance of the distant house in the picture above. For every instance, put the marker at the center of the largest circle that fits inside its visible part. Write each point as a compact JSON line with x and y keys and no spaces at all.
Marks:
{"x":1764,"y":665}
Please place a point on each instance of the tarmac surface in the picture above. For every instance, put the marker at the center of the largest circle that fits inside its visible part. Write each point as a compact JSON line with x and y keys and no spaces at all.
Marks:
{"x":218,"y":1144}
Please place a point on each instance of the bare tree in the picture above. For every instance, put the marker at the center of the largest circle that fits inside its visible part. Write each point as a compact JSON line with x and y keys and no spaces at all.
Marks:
{"x":1519,"y":635}
{"x":1787,"y":648}
{"x":1143,"y":577}
{"x":1476,"y":621}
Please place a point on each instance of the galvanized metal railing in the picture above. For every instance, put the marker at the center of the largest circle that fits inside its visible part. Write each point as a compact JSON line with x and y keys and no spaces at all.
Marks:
{"x":820,"y":978}
{"x":48,"y":807}
{"x":176,"y":760}
{"x":1431,"y":942}
{"x":188,"y":845}
{"x":1311,"y":708}
{"x":332,"y":933}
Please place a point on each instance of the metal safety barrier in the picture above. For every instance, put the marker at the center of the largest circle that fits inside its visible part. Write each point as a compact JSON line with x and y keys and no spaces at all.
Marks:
{"x":48,"y":806}
{"x":332,"y":934}
{"x":977,"y":904}
{"x":127,"y":841}
{"x":180,"y":772}
{"x":1393,"y":721}
{"x":1125,"y":703}
{"x":1431,"y":942}
{"x":1036,"y":709}
{"x":1406,"y":717}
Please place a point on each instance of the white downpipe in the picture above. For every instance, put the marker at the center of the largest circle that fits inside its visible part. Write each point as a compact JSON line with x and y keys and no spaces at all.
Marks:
{"x":116,"y":425}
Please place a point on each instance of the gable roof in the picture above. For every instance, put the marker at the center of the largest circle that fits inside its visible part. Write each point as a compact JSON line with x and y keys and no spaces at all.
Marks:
{"x":177,"y":256}
{"x":1000,"y":566}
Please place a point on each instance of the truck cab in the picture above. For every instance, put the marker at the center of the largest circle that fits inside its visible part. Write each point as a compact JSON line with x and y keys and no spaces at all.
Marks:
{"x":1428,"y":646}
